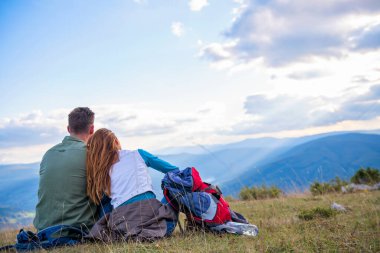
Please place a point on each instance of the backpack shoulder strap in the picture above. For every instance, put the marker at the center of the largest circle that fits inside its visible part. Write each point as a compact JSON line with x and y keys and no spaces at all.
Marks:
{"x":7,"y":248}
{"x":27,"y":241}
{"x":50,"y":237}
{"x":213,"y":189}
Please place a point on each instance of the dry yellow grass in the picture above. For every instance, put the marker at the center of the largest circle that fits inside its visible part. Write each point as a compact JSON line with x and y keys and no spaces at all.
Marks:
{"x":357,"y":230}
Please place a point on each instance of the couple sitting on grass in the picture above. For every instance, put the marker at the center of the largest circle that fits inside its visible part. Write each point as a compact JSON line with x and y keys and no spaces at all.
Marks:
{"x":89,"y":178}
{"x":90,"y":187}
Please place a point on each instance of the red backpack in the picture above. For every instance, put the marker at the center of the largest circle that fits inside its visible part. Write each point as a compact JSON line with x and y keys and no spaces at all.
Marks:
{"x":201,"y":202}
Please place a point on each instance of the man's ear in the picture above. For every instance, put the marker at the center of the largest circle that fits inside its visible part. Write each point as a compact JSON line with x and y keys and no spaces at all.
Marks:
{"x":91,"y":130}
{"x":68,"y":129}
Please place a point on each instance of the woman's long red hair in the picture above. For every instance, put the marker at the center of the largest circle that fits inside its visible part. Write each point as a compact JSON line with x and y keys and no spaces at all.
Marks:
{"x":102,"y":153}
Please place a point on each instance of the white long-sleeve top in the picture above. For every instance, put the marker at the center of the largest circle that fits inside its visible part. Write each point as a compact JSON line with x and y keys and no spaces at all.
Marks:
{"x":130,"y":177}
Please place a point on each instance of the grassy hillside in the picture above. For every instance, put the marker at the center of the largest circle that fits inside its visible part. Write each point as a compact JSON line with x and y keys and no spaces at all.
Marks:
{"x":281,"y":230}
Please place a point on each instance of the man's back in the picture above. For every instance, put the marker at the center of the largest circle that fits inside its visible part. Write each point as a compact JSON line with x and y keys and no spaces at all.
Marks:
{"x":62,"y":197}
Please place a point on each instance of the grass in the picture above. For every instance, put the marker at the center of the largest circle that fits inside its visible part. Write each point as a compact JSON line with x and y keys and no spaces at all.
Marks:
{"x":318,"y":212}
{"x":281,"y":228}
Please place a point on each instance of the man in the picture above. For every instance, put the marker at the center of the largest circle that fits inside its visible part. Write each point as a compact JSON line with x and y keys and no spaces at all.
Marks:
{"x":62,"y":196}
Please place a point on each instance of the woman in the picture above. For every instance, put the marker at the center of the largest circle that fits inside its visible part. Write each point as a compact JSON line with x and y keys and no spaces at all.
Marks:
{"x":122,"y":175}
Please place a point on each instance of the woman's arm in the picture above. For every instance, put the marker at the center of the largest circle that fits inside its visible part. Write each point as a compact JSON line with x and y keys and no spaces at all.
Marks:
{"x":155,"y":162}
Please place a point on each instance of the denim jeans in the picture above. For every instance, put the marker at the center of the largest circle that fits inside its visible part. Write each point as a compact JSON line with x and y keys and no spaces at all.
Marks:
{"x":105,"y":206}
{"x":170,"y":224}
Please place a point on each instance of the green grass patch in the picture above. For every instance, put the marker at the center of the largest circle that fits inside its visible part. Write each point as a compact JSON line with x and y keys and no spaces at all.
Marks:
{"x":262,"y":192}
{"x":318,"y":212}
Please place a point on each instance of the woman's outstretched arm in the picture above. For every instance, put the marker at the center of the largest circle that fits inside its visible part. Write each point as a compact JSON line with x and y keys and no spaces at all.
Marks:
{"x":155,"y":162}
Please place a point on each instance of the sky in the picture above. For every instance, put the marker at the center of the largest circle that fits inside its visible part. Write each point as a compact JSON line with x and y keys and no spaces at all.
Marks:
{"x":167,"y":73}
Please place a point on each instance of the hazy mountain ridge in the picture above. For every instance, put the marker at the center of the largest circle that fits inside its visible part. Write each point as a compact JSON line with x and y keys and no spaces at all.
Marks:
{"x":291,"y":163}
{"x":263,"y":142}
{"x":236,"y":157}
{"x":18,"y":198}
{"x":18,"y":185}
{"x":321,"y":159}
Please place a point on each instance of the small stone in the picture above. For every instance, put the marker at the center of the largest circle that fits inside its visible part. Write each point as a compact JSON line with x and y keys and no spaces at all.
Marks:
{"x":338,"y":207}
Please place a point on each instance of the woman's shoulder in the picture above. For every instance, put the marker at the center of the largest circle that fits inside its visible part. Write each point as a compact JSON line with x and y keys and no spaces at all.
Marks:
{"x":127,"y":152}
{"x":126,"y":155}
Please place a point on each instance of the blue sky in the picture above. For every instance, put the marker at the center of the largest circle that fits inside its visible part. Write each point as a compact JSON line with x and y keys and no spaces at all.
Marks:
{"x":185,"y":72}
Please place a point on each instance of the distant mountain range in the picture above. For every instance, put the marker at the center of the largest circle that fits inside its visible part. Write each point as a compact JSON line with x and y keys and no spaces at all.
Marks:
{"x":18,"y":198}
{"x":221,"y":163}
{"x":18,"y":186}
{"x":319,"y":160}
{"x":289,"y":163}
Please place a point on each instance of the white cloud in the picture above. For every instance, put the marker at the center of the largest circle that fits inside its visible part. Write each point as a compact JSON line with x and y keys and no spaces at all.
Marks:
{"x":237,"y":11}
{"x":23,"y":154}
{"x":197,"y":5}
{"x":283,"y":32}
{"x":136,"y":125}
{"x":220,"y":54}
{"x":217,"y":51}
{"x":284,"y":112}
{"x":317,"y":76}
{"x":146,"y":126}
{"x":32,"y":128}
{"x":178,"y":29}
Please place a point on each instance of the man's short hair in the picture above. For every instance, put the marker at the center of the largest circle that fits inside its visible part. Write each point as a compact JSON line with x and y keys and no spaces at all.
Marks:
{"x":80,"y":120}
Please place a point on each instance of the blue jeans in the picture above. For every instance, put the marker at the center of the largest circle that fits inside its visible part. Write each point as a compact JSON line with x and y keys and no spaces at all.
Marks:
{"x":170,"y":224}
{"x":105,"y":206}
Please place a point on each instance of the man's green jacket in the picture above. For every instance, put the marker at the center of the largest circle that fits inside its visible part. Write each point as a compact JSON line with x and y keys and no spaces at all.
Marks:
{"x":62,"y":198}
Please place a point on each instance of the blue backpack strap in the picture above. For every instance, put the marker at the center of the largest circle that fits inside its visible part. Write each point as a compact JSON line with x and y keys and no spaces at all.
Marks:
{"x":60,"y":235}
{"x":50,"y":237}
{"x":27,"y":241}
{"x":7,"y":248}
{"x":237,"y":217}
